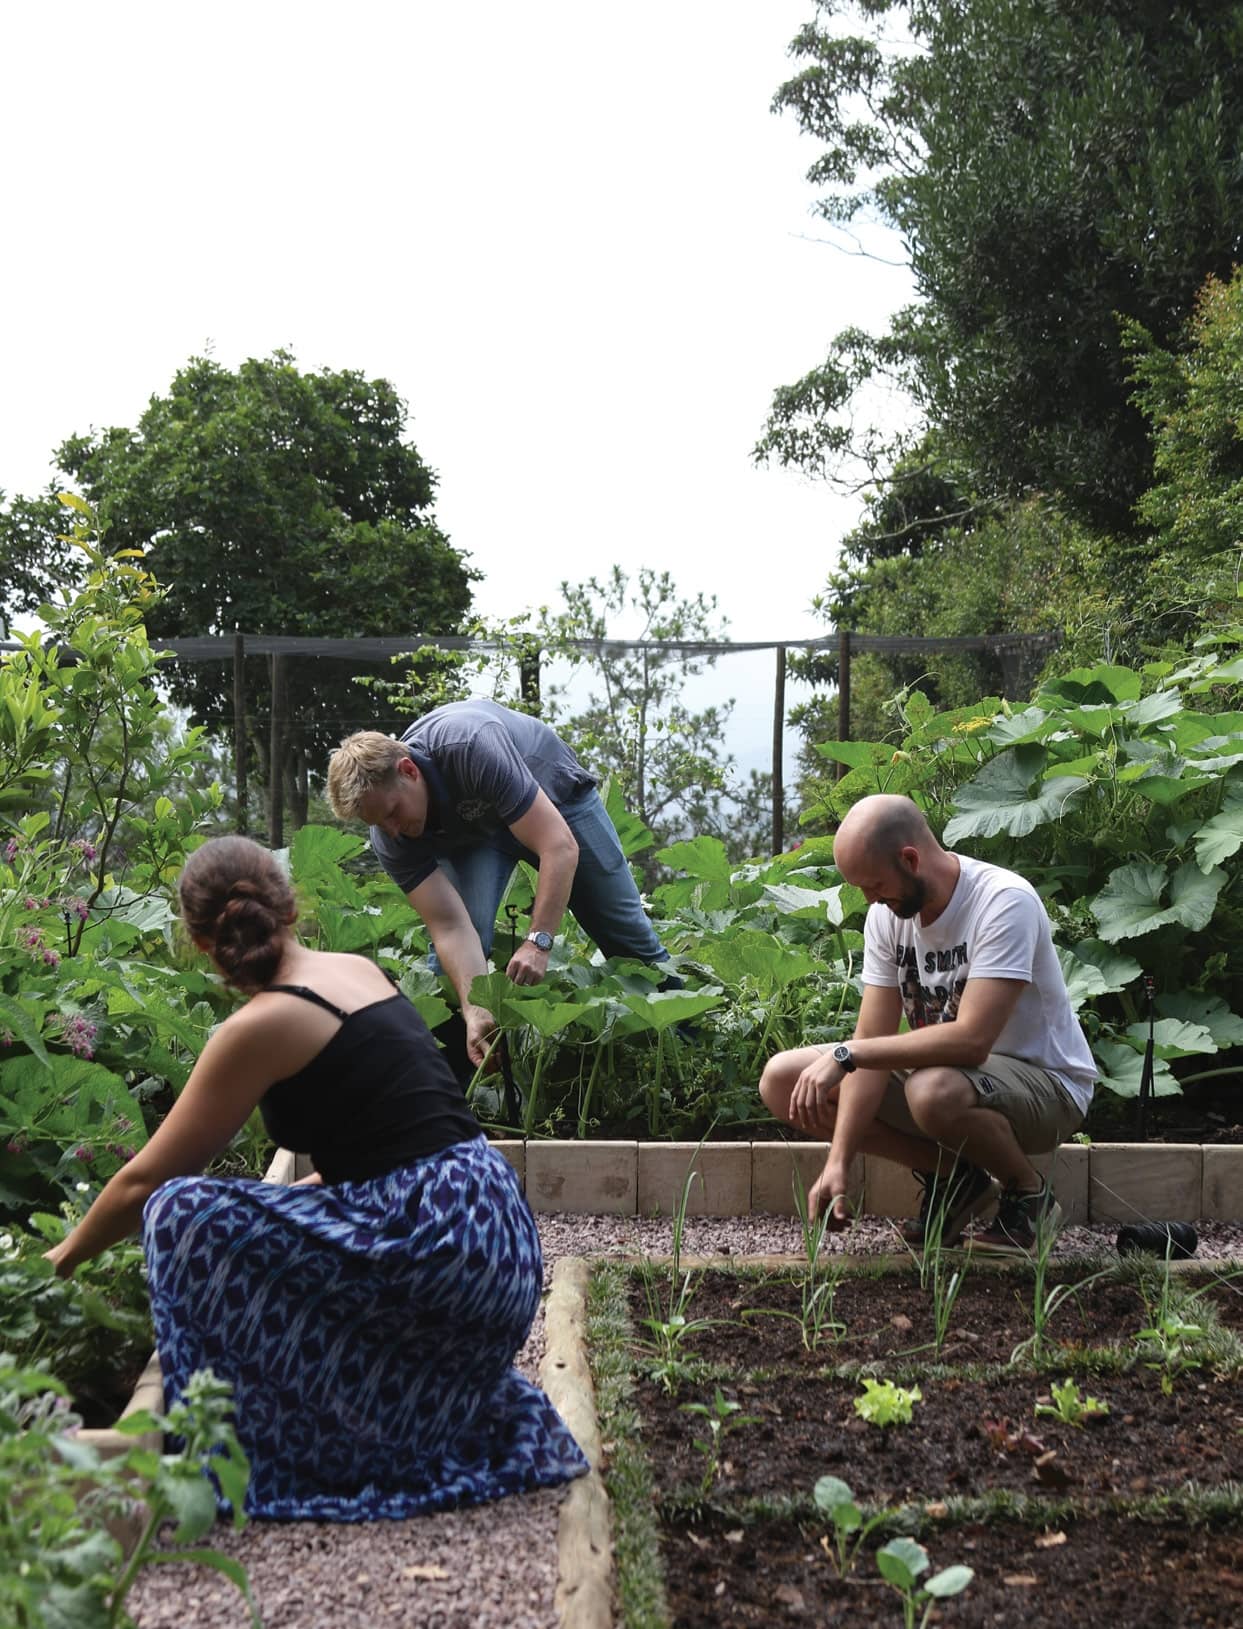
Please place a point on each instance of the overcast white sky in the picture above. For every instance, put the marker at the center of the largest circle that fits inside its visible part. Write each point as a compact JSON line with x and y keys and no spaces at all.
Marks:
{"x":573,"y":236}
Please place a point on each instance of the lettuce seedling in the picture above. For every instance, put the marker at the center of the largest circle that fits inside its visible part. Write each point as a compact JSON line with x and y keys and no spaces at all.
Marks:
{"x":883,"y":1403}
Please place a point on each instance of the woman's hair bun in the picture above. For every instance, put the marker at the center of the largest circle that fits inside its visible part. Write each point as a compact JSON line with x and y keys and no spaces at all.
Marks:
{"x":235,"y":897}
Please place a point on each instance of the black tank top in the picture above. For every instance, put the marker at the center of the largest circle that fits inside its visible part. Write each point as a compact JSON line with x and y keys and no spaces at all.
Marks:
{"x":377,"y":1096}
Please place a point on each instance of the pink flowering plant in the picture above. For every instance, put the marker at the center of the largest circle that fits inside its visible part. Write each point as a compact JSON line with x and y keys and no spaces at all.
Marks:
{"x":99,"y":1025}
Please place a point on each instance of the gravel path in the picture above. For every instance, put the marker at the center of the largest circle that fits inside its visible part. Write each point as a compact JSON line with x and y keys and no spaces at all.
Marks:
{"x":494,"y":1566}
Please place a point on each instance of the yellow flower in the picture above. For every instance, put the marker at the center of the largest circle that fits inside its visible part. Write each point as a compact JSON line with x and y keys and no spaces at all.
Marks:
{"x":968,"y":726}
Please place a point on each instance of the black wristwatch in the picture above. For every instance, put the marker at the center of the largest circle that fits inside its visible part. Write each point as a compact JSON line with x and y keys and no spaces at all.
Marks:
{"x":841,"y":1054}
{"x":541,"y":941}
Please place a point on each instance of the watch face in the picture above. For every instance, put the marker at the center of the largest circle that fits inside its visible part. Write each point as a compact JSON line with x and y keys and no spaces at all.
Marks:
{"x":841,"y":1054}
{"x":541,"y":941}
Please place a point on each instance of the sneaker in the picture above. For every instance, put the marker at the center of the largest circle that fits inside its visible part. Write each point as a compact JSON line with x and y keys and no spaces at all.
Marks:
{"x":958,"y":1195}
{"x":1012,"y":1232}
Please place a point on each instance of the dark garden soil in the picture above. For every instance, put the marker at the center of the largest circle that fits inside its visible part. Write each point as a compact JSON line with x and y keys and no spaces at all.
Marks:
{"x":100,"y":1397}
{"x":729,"y":1560}
{"x":966,"y":1438}
{"x":1092,"y":1570}
{"x":887,"y":1315}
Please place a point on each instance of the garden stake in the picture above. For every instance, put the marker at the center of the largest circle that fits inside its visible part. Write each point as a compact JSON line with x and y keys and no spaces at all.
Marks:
{"x":1146,"y":1075}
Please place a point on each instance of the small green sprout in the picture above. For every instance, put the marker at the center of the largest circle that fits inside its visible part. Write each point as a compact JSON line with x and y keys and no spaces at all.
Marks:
{"x":723,"y":1417}
{"x":1069,"y":1407}
{"x":835,"y":1499}
{"x":1171,"y":1345}
{"x":883,"y":1403}
{"x":901,"y":1561}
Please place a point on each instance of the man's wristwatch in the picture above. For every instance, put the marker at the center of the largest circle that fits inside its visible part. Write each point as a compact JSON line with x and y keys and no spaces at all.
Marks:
{"x":541,"y":941}
{"x":841,"y":1055}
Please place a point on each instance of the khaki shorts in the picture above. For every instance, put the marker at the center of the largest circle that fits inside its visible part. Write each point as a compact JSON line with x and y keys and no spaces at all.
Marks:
{"x":1037,"y":1105}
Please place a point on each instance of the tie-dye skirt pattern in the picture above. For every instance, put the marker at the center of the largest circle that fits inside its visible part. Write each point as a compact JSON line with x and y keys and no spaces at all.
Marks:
{"x":369,"y":1331}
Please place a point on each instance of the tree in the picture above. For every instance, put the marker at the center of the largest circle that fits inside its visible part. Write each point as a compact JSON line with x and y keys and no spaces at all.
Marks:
{"x":1049,"y":165}
{"x":668,"y":760}
{"x":1193,"y":398}
{"x":273,"y":501}
{"x":1019,"y":568}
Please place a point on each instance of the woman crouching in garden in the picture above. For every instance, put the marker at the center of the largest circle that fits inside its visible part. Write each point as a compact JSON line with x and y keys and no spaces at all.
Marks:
{"x":368,"y":1322}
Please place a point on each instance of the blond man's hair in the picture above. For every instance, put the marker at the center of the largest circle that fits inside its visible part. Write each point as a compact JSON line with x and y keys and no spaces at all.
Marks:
{"x":362,"y":762}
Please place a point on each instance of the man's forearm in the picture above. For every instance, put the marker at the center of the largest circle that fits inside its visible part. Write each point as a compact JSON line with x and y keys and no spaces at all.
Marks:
{"x":951,"y":1044}
{"x":461,"y":955}
{"x":552,"y":893}
{"x":858,"y":1099}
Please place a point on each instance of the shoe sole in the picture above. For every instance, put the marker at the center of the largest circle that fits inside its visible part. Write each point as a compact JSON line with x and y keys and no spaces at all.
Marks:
{"x":1011,"y":1247}
{"x":950,"y":1237}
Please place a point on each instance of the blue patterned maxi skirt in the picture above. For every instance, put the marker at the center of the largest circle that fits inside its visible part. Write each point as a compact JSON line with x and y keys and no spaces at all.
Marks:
{"x":369,"y":1331}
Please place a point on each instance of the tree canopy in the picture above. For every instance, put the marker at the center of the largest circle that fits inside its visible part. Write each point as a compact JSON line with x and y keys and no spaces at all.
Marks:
{"x":1051,"y":167}
{"x":272,"y":501}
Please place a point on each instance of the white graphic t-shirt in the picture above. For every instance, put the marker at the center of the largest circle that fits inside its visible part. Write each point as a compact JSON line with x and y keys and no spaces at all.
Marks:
{"x":994,"y":927}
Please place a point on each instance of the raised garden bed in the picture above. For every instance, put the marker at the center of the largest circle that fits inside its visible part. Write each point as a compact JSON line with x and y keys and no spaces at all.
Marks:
{"x":1136,"y":1512}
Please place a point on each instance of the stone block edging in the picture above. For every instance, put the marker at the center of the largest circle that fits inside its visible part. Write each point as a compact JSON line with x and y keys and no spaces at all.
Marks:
{"x":1100,"y":1182}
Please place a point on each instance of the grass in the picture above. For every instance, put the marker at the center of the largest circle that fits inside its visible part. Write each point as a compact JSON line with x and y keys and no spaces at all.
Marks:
{"x":640,"y":1570}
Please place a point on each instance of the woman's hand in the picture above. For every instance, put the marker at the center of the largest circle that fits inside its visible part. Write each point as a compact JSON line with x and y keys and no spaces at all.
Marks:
{"x":58,"y":1255}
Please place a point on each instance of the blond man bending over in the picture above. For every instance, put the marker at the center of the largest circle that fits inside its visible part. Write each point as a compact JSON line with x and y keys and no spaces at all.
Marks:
{"x":467,"y":792}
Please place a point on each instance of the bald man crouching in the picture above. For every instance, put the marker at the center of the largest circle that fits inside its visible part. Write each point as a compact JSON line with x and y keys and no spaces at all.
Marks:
{"x":993,"y":1067}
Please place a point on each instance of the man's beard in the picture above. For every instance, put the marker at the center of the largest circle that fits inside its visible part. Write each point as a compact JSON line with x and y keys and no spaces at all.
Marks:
{"x":911,"y":900}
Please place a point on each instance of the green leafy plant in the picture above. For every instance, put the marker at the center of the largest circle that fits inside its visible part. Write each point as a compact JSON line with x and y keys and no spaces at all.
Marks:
{"x":90,"y":1328}
{"x":1176,"y":1337}
{"x":936,"y":1271}
{"x":818,"y":1283}
{"x":1045,"y":1300}
{"x":722,"y":1418}
{"x":1172,"y":1345}
{"x":884,"y":1403}
{"x":59,"y":1563}
{"x":1068,"y":1405}
{"x":667,"y":1318}
{"x":902,"y":1562}
{"x":850,"y":1527}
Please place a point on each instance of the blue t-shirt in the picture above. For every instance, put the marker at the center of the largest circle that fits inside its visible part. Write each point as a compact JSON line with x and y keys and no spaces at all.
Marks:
{"x":483,"y":764}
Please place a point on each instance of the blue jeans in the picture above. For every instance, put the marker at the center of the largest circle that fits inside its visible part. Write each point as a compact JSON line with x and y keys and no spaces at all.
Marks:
{"x":603,"y":900}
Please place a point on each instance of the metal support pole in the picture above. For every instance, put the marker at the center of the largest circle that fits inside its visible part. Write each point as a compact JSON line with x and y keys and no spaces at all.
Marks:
{"x":239,"y":729}
{"x":779,"y":721}
{"x":843,"y":691}
{"x":276,"y":757}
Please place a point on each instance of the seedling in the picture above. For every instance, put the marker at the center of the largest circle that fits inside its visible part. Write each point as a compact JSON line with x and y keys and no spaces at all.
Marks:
{"x":1171,"y":1345}
{"x":901,"y":1561}
{"x":667,"y":1367}
{"x":1172,"y":1342}
{"x":1069,"y":1407}
{"x":667,"y":1315}
{"x":723,"y":1418}
{"x":1046,"y":1302}
{"x":819,"y":1284}
{"x":835,"y":1499}
{"x":883,"y":1403}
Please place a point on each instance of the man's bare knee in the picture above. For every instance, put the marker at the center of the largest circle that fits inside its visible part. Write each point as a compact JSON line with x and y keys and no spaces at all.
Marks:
{"x":939,"y":1097}
{"x":778,"y":1081}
